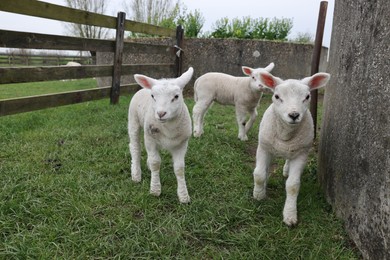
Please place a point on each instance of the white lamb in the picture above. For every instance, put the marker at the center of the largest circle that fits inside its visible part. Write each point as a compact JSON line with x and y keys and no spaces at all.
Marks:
{"x":160,"y":110}
{"x":73,"y":63}
{"x":242,"y":92}
{"x":286,"y":130}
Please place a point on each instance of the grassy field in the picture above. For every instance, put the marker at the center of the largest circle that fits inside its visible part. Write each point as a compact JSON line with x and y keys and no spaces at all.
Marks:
{"x":67,"y":194}
{"x":46,"y":87}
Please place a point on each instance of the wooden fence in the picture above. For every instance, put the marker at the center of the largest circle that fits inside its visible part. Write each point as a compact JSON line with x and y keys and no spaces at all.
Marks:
{"x":15,"y":39}
{"x":20,"y":59}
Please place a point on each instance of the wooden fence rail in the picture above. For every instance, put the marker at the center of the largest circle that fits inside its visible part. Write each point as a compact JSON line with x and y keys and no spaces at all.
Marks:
{"x":18,"y":59}
{"x":13,"y":39}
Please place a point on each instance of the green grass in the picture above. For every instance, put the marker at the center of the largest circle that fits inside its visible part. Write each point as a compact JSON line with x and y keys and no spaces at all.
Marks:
{"x":45,"y":87}
{"x":67,"y":193}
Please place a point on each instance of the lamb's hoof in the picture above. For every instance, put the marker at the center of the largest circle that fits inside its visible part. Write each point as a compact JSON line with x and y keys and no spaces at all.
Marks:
{"x":184,"y":199}
{"x":290,"y":220}
{"x":258,"y":195}
{"x":155,"y":192}
{"x":197,"y":134}
{"x":136,"y":178}
{"x":243,"y":138}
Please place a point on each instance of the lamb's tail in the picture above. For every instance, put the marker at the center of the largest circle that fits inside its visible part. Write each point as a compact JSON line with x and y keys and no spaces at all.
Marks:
{"x":270,"y":67}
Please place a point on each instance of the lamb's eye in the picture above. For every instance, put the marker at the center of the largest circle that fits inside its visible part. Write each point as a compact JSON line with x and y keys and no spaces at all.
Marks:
{"x":152,"y":96}
{"x":307,"y":97}
{"x":175,"y":98}
{"x":277,"y":97}
{"x":253,"y":78}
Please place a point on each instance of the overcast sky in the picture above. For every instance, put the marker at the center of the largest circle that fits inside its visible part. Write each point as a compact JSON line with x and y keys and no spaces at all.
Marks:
{"x":303,"y":12}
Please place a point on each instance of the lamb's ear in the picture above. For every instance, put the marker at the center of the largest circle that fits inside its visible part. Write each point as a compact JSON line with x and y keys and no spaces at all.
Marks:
{"x":316,"y":81}
{"x":184,"y":78}
{"x":145,"y":81}
{"x":247,"y":70}
{"x":270,"y":67}
{"x":268,"y":80}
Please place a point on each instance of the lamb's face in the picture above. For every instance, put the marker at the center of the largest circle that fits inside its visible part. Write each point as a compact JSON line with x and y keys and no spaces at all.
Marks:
{"x":167,"y":101}
{"x":255,"y":83}
{"x":166,"y":94}
{"x":255,"y":76}
{"x":291,"y":97}
{"x":291,"y":100}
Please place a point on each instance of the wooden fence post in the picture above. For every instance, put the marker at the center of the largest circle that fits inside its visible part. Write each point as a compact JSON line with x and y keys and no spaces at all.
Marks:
{"x":316,"y":59}
{"x":179,"y":52}
{"x":116,"y":74}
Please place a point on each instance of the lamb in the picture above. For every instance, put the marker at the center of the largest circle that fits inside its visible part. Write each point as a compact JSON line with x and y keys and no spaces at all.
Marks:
{"x":286,"y":130}
{"x":73,"y":63}
{"x":160,"y":110}
{"x":242,"y":92}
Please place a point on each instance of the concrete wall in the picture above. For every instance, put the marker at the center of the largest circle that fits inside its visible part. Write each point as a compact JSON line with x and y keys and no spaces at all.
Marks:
{"x":227,"y":56}
{"x":354,"y":152}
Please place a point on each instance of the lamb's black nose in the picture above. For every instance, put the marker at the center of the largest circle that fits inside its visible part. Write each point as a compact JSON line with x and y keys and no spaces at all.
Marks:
{"x":293,"y":115}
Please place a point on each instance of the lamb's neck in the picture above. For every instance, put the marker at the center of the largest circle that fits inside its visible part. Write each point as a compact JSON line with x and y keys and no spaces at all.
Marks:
{"x":283,"y":130}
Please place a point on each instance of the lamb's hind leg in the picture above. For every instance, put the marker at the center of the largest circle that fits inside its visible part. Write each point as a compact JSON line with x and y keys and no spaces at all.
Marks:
{"x":241,"y":122}
{"x":198,"y":113}
{"x":251,"y":120}
{"x":295,"y":169}
{"x":135,"y":152}
{"x":178,"y":156}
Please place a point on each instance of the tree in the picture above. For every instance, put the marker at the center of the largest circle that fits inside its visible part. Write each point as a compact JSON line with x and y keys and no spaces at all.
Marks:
{"x":152,"y":11}
{"x":87,"y":31}
{"x":167,"y":14}
{"x":192,"y":24}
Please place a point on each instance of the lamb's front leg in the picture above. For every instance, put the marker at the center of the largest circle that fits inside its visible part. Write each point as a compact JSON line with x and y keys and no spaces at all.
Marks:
{"x":260,"y":174}
{"x":154,"y":162}
{"x":290,"y":213}
{"x":135,"y":152}
{"x":178,"y":156}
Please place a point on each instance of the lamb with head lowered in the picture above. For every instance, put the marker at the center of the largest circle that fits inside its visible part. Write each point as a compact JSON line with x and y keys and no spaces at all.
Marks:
{"x":286,"y":130}
{"x":242,"y":92}
{"x":159,"y":110}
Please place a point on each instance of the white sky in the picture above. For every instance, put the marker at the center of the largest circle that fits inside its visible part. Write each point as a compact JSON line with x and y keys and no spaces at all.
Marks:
{"x":303,"y":12}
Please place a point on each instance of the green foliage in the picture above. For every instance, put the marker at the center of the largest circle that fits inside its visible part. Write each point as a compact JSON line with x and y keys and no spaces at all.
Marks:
{"x":248,"y":28}
{"x":171,"y":17}
{"x":304,"y":38}
{"x":67,"y":194}
{"x":192,"y":24}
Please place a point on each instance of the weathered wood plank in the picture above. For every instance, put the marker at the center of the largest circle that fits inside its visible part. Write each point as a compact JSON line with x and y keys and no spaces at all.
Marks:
{"x":116,"y":74}
{"x":27,"y":104}
{"x":12,"y":39}
{"x":179,"y":53}
{"x":66,"y":14}
{"x":35,"y":74}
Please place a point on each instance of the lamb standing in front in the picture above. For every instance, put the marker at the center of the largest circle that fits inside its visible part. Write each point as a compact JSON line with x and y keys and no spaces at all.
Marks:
{"x":286,"y":130}
{"x":160,"y":110}
{"x":242,"y":92}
